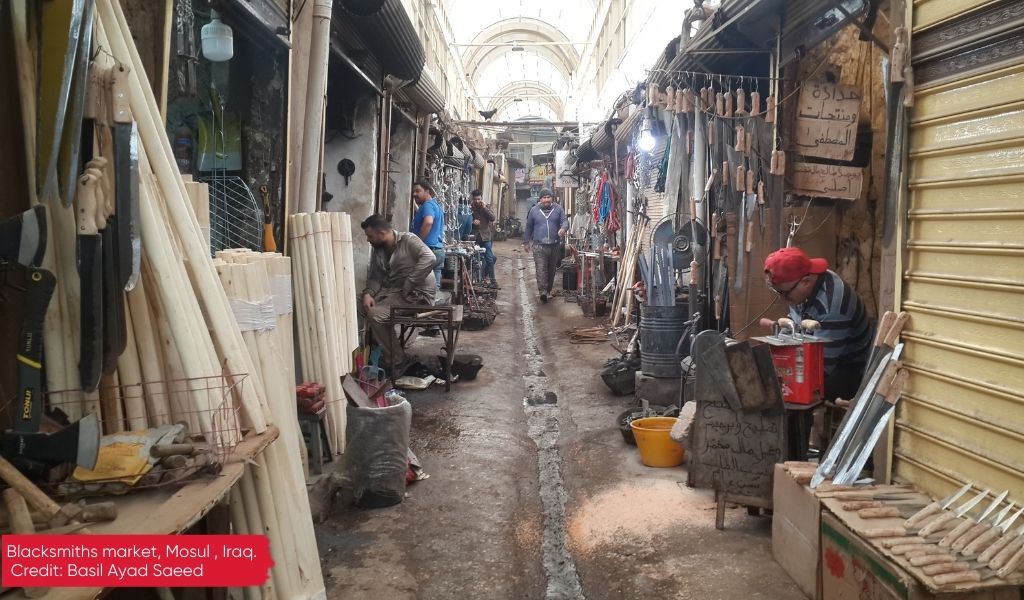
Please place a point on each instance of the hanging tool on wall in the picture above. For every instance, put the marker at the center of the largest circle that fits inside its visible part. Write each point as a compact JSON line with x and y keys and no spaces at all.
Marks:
{"x":185,"y":43}
{"x":269,"y":244}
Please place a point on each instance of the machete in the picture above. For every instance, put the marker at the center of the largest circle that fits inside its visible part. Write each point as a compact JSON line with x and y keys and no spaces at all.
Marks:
{"x":71,"y":12}
{"x":90,"y":262}
{"x":126,"y":183}
{"x":73,"y":138}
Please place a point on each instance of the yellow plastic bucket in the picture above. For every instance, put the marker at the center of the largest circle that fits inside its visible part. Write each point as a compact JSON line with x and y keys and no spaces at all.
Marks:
{"x":657,"y":449}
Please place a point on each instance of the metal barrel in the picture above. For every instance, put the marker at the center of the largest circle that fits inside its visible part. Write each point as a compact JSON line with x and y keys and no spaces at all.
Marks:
{"x":660,"y":330}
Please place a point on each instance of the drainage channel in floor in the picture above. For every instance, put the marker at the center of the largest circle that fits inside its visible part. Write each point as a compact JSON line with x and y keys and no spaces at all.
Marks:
{"x":541,"y":407}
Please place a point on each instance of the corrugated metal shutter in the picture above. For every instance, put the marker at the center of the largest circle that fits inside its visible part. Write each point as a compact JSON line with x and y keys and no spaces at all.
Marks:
{"x":962,"y":414}
{"x":928,"y":13}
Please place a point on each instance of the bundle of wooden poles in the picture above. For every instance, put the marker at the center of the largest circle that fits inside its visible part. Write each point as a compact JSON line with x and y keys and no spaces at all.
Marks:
{"x":325,"y":307}
{"x":184,"y":332}
{"x":624,"y":298}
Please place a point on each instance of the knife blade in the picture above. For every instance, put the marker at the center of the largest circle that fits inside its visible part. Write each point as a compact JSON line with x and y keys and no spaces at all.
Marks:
{"x":981,"y":531}
{"x":944,"y":518}
{"x":23,"y":237}
{"x":90,"y":272}
{"x":1000,"y":544}
{"x":73,"y":139}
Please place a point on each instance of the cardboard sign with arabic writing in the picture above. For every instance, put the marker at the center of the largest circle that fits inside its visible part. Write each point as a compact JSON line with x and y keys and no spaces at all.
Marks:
{"x":827,"y":181}
{"x":826,"y":120}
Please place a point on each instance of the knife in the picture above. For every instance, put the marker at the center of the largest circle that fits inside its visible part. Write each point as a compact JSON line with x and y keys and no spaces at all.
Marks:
{"x":981,"y":531}
{"x":945,"y":517}
{"x":1000,"y":544}
{"x":966,"y":524}
{"x":126,"y":184}
{"x":90,"y":264}
{"x":936,"y":507}
{"x":949,"y":558}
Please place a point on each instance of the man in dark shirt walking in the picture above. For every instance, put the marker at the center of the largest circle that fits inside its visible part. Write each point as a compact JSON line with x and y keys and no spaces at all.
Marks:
{"x":483,"y":230}
{"x":546,"y":225}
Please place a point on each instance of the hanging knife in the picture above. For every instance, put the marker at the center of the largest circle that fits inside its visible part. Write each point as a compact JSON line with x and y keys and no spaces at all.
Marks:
{"x":90,"y":272}
{"x":51,"y":50}
{"x":126,"y":184}
{"x":73,"y":138}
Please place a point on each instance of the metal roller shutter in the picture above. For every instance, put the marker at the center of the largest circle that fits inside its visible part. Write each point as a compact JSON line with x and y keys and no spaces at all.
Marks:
{"x":962,"y":414}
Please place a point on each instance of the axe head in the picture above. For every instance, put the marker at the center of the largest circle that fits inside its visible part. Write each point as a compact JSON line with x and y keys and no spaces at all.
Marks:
{"x":23,"y":237}
{"x":77,"y":443}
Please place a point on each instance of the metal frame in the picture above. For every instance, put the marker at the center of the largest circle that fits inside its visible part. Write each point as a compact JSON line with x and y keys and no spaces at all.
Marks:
{"x":447,"y":318}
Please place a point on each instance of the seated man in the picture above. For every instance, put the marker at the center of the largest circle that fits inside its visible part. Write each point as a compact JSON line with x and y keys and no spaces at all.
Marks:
{"x":815,"y":292}
{"x":401,"y":272}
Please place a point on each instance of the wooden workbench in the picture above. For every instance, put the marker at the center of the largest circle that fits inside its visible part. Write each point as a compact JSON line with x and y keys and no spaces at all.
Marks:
{"x":174,"y":509}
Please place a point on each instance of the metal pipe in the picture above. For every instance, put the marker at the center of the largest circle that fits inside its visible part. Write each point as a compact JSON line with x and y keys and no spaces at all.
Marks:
{"x":345,"y":58}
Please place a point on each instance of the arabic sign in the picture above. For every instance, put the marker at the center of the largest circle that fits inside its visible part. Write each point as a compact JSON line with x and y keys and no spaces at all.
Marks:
{"x":826,"y":124}
{"x":827,"y":181}
{"x":564,"y":174}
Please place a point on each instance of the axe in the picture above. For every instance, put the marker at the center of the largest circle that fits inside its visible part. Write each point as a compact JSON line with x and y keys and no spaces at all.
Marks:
{"x":77,"y":443}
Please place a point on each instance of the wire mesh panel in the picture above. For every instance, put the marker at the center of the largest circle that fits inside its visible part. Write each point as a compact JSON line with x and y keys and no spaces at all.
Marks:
{"x":236,"y":219}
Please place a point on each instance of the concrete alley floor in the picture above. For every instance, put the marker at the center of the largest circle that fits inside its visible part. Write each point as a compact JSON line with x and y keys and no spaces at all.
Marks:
{"x":529,"y":499}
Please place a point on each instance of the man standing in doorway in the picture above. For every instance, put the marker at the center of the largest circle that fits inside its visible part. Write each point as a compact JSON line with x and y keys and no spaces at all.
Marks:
{"x":428,"y":223}
{"x":400,"y":273}
{"x":546,"y":224}
{"x":483,"y":230}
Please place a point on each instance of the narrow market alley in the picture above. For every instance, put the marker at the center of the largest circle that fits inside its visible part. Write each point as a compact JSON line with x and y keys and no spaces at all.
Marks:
{"x":527,"y":498}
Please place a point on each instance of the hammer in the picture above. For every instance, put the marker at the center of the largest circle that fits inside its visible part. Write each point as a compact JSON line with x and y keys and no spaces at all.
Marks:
{"x":809,"y":326}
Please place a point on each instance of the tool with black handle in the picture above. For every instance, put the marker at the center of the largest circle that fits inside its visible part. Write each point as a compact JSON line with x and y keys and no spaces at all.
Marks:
{"x":39,"y":288}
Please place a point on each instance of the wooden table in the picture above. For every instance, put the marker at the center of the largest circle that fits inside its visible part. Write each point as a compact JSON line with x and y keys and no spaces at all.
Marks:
{"x":447,"y":318}
{"x":174,"y":509}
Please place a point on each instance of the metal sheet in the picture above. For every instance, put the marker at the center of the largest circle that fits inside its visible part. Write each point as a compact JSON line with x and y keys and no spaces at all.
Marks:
{"x":962,"y":413}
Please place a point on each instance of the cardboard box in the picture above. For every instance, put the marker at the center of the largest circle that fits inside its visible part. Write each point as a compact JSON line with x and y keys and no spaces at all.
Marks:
{"x":854,"y":570}
{"x":796,"y":530}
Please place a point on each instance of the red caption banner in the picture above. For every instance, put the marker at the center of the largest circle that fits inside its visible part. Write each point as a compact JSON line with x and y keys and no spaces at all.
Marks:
{"x":135,"y":560}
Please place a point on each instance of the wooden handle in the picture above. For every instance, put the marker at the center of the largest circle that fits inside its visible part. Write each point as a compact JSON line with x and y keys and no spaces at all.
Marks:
{"x":1011,"y":565}
{"x":728,"y":104}
{"x":932,"y":559}
{"x":741,"y":101}
{"x":899,"y":381}
{"x":774,"y":164}
{"x":748,"y":145}
{"x":694,"y":273}
{"x":680,"y":100}
{"x":693,"y":209}
{"x":924,"y":513}
{"x":652,"y":94}
{"x":780,"y":167}
{"x":879,"y":513}
{"x":885,"y":532}
{"x":750,"y":181}
{"x":750,"y":236}
{"x":962,"y":527}
{"x":996,"y":548}
{"x":760,"y":192}
{"x":886,"y":380}
{"x":740,"y":138}
{"x":770,"y":116}
{"x":983,"y":541}
{"x":925,"y":551}
{"x":905,"y":548}
{"x":951,"y":567}
{"x":719,"y":104}
{"x":936,"y":524}
{"x":725,"y":174}
{"x":896,"y":329}
{"x":704,"y":97}
{"x":884,"y":324}
{"x":670,"y":98}
{"x":94,"y":92}
{"x":1007,"y":553}
{"x":755,"y":103}
{"x":972,"y":534}
{"x":961,"y":577}
{"x":17,"y":509}
{"x":856,"y":505}
{"x":901,"y":541}
{"x":120,"y":101}
{"x":164,"y":450}
{"x":688,"y":99}
{"x":741,"y":178}
{"x":86,"y":196}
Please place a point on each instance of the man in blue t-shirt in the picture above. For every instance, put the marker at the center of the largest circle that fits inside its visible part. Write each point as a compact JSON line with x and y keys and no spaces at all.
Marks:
{"x":428,"y":223}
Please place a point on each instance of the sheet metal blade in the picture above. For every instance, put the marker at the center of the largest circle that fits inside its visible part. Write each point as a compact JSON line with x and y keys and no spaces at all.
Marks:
{"x":73,"y":138}
{"x":56,"y":11}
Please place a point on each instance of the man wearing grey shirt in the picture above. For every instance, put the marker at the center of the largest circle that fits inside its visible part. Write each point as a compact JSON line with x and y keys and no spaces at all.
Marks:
{"x":546,"y":225}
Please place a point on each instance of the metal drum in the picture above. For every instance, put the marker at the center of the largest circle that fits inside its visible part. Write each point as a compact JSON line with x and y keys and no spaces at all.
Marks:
{"x":660,"y":330}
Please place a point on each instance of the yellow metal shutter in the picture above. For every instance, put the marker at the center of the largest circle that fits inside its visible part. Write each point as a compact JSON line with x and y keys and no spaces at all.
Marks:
{"x":962,"y":414}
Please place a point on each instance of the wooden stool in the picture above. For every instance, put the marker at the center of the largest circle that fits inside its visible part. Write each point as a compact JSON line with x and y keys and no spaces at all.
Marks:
{"x":314,"y":432}
{"x":447,"y":318}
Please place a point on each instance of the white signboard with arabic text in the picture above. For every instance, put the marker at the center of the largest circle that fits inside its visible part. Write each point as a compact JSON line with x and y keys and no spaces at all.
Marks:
{"x":827,"y":181}
{"x":826,"y":121}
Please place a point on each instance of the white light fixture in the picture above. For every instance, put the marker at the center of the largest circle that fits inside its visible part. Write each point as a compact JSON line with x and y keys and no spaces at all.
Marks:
{"x":647,"y":141}
{"x":218,"y":41}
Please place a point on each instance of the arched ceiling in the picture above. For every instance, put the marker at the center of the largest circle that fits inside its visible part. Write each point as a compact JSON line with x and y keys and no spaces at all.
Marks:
{"x":550,"y":34}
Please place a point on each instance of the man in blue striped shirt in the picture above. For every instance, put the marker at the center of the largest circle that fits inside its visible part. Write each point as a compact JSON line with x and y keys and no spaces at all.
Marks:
{"x":815,"y":292}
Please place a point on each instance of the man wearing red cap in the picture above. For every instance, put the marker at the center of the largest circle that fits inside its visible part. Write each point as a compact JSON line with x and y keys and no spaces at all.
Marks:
{"x":815,"y":292}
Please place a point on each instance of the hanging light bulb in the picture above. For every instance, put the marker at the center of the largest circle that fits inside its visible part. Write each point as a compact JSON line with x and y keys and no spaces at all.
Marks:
{"x":218,"y":41}
{"x":647,"y":141}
